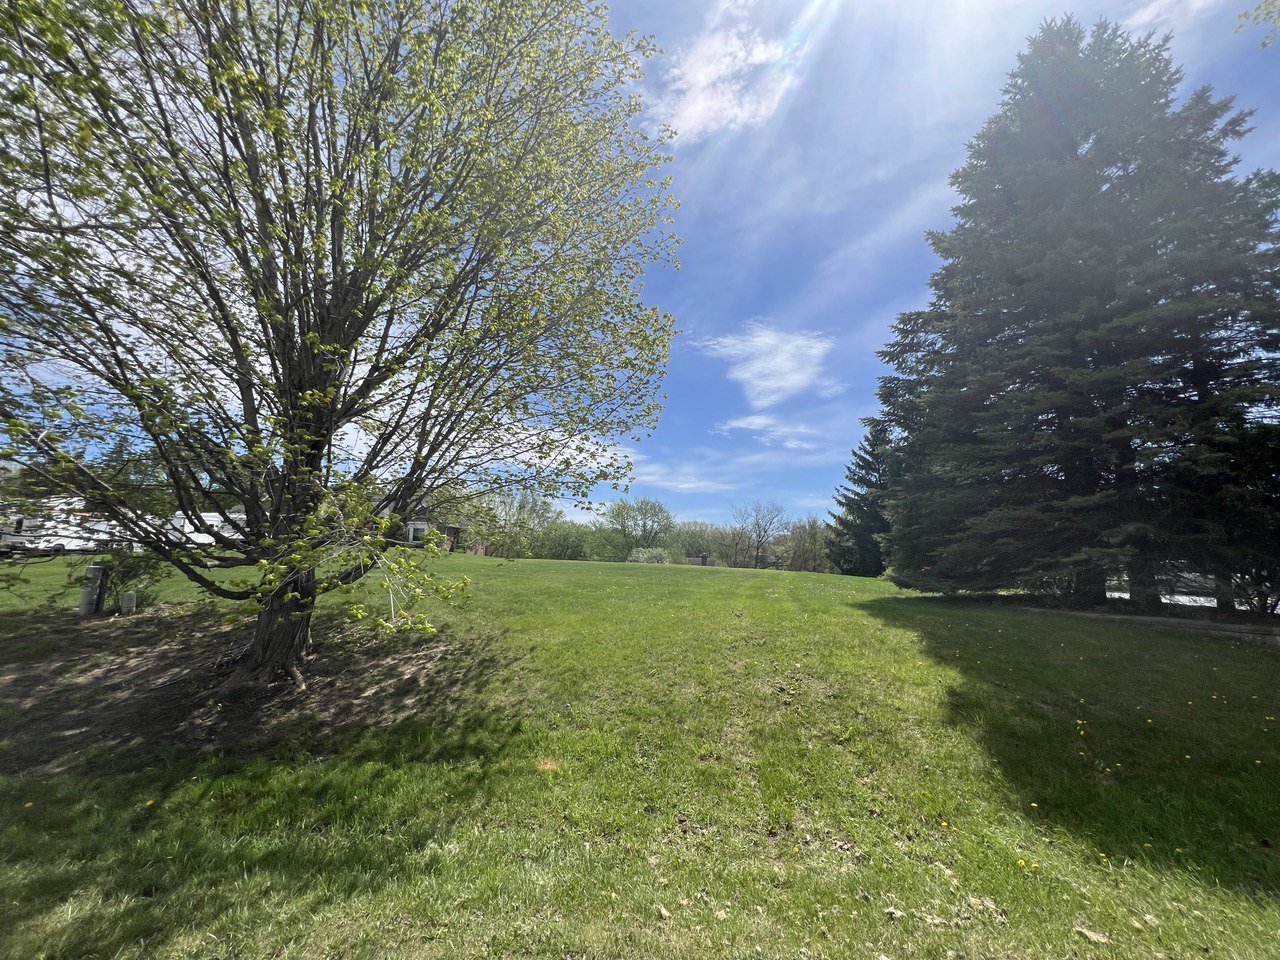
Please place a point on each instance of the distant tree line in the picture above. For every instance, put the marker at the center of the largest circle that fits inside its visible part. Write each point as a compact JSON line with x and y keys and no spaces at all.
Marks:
{"x":517,"y":522}
{"x":761,"y":535}
{"x":1091,"y":398}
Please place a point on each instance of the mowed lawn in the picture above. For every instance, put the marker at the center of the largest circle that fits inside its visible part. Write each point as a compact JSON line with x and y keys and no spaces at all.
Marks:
{"x":607,"y":760}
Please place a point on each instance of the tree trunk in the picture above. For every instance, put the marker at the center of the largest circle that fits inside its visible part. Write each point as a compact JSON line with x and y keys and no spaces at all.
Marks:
{"x":283,"y":630}
{"x":1090,"y":588}
{"x":1224,"y":592}
{"x":1144,"y":593}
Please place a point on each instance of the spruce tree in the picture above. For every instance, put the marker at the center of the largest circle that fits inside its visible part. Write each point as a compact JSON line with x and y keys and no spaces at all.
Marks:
{"x":1227,"y":508}
{"x":1106,"y":302}
{"x":858,"y":523}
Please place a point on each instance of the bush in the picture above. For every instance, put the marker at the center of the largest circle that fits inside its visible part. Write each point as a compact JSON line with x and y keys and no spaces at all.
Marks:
{"x":648,"y":555}
{"x":132,"y":570}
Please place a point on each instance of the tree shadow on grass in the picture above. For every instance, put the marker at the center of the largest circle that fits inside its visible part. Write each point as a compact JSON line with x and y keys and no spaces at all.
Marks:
{"x":1150,"y":745}
{"x":140,"y":808}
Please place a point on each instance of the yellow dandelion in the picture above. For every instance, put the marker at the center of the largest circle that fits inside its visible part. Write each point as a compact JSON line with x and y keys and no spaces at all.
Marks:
{"x":28,"y":804}
{"x":150,"y":802}
{"x":1022,"y":863}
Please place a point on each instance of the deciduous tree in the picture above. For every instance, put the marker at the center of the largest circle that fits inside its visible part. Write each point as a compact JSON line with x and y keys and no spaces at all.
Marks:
{"x":804,"y":545}
{"x":760,"y":525}
{"x":564,"y":539}
{"x":1267,"y":12}
{"x":626,"y":525}
{"x":693,"y":538}
{"x":510,"y":521}
{"x":323,"y":259}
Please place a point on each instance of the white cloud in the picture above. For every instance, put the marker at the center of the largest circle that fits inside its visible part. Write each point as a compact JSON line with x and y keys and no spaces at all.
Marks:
{"x":1175,"y":15}
{"x":770,"y":364}
{"x":729,"y":76}
{"x":688,"y":477}
{"x":927,"y":206}
{"x":853,"y":264}
{"x":710,"y":471}
{"x":773,"y":431}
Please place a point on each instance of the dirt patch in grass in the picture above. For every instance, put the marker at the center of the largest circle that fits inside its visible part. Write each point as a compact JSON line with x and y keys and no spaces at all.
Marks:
{"x":105,"y":695}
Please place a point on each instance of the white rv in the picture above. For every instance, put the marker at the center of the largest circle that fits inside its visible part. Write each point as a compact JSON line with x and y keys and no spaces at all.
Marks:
{"x":59,"y":525}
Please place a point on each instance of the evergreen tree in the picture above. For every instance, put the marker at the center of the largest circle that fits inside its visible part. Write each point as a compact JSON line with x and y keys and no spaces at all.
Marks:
{"x":1106,"y":302}
{"x":1254,"y":502}
{"x":859,"y":522}
{"x":1227,"y":507}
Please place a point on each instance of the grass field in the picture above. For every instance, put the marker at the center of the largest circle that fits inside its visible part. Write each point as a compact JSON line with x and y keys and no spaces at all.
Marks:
{"x":598,"y":760}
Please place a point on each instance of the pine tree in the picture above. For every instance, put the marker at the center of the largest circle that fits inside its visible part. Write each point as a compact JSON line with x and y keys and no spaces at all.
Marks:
{"x":1227,"y":498}
{"x":856,"y":527}
{"x":1107,"y":299}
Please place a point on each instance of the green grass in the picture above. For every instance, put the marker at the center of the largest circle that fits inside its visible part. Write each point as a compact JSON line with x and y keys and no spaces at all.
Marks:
{"x":634,"y":761}
{"x":54,"y":583}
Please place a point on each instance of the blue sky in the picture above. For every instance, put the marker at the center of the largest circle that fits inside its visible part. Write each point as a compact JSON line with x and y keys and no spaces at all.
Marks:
{"x":815,"y":140}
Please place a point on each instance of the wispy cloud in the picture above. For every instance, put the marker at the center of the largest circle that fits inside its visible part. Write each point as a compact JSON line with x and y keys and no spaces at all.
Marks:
{"x":926,"y":206}
{"x":773,"y":431}
{"x":770,"y":364}
{"x":855,"y":263}
{"x":706,"y":470}
{"x":1175,"y":15}
{"x":729,"y":76}
{"x":690,"y":476}
{"x":700,"y":471}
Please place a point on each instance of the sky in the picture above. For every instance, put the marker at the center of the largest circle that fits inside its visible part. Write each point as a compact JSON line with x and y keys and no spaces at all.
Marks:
{"x":814,"y":141}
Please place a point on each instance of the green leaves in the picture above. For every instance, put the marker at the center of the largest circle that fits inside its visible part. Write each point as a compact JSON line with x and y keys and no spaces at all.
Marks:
{"x":309,"y":248}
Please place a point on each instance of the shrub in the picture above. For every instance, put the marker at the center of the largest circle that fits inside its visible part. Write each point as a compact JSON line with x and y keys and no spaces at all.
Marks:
{"x":139,"y":571}
{"x":648,"y":555}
